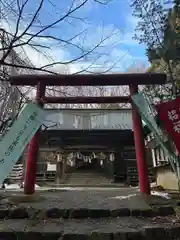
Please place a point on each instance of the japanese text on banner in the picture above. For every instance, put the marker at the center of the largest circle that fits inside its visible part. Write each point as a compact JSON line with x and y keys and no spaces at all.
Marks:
{"x":169,"y":114}
{"x":174,"y":117}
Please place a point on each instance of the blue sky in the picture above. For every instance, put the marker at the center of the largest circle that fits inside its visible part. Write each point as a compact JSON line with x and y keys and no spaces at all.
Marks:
{"x":93,"y":22}
{"x":119,"y":13}
{"x":116,"y":15}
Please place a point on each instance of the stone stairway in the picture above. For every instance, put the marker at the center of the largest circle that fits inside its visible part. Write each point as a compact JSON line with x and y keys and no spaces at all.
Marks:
{"x":84,"y":215}
{"x":87,"y":178}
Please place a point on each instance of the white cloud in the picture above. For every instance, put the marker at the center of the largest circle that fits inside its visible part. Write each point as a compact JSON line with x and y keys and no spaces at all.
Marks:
{"x":117,"y":61}
{"x":106,"y":56}
{"x":129,"y":31}
{"x":109,"y":54}
{"x":94,"y":34}
{"x":37,"y":56}
{"x":127,"y":38}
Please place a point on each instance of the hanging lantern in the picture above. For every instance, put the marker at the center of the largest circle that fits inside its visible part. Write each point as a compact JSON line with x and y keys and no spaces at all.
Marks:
{"x":111,"y":157}
{"x":72,"y":163}
{"x":70,"y":156}
{"x":93,"y":155}
{"x":86,"y":159}
{"x":59,"y":157}
{"x":79,"y":155}
{"x":70,"y":159}
{"x":101,"y":163}
{"x":50,"y":157}
{"x":102,"y":156}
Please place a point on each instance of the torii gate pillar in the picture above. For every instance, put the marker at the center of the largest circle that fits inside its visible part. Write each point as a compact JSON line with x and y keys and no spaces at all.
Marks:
{"x":140,"y":146}
{"x":31,"y":164}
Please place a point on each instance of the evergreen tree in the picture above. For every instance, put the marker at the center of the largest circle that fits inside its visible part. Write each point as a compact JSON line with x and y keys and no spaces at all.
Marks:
{"x":159,"y":29}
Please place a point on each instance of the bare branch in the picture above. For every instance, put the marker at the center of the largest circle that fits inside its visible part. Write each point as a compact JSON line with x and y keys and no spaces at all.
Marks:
{"x":35,"y":37}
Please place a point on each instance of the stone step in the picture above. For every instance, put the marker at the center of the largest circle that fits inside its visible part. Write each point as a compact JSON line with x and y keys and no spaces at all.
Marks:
{"x":85,"y":181}
{"x":84,"y":185}
{"x":86,"y":174}
{"x":27,"y":212}
{"x":74,"y":182}
{"x":106,"y":229}
{"x":86,"y":178}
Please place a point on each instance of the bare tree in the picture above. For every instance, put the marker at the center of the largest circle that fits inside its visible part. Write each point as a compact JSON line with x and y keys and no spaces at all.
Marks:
{"x":28,"y":30}
{"x":11,"y":98}
{"x":29,"y":27}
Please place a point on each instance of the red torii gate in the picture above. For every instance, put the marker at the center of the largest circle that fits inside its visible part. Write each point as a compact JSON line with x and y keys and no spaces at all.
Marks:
{"x":133,"y":80}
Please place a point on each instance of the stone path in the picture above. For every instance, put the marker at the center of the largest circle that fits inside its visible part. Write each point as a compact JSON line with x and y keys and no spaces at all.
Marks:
{"x":79,"y":204}
{"x":96,"y":199}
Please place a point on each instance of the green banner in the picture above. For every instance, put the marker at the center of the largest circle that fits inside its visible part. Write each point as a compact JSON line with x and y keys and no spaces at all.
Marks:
{"x":18,"y":136}
{"x":145,"y":111}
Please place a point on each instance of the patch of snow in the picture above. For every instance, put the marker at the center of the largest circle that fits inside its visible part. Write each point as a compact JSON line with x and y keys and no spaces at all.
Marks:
{"x":16,"y":186}
{"x":12,"y":186}
{"x":124,"y":197}
{"x":161,"y":194}
{"x":154,"y":193}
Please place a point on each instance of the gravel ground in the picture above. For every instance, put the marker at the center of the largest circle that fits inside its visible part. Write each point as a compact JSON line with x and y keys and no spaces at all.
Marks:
{"x":96,"y":199}
{"x":82,"y":204}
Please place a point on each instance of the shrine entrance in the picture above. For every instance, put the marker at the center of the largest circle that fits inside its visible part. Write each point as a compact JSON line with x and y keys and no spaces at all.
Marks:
{"x":105,"y":152}
{"x":133,"y":80}
{"x":94,"y":139}
{"x":86,"y":162}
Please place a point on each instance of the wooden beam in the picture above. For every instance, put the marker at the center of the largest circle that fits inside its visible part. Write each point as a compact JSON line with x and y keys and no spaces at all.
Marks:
{"x":74,"y":100}
{"x":89,"y":79}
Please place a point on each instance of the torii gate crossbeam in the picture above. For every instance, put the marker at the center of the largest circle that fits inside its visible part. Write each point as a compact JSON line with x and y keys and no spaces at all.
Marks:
{"x":133,"y":80}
